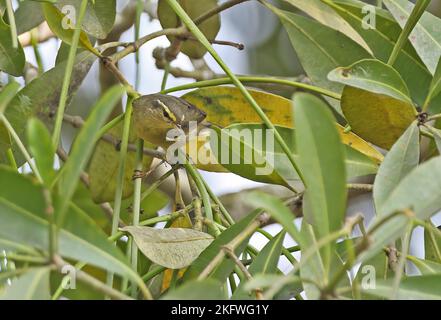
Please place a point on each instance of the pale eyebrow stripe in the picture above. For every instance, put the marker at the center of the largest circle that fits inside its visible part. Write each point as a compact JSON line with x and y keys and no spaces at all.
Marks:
{"x":170,"y":114}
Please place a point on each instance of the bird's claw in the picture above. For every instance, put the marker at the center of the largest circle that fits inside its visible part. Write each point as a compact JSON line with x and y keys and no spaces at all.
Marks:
{"x":138,"y":174}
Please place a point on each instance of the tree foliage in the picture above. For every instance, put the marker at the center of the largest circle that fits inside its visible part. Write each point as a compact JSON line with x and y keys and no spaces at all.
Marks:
{"x":362,"y":119}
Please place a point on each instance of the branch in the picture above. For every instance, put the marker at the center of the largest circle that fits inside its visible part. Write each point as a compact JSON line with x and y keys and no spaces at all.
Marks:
{"x":134,"y":46}
{"x":207,"y":15}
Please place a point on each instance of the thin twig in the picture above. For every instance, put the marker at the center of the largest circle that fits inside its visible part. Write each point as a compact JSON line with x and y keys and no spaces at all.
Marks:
{"x":226,"y":5}
{"x":233,"y":244}
{"x":230,"y":253}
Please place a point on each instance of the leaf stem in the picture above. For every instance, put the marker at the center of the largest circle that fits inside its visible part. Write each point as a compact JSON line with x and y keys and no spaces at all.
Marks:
{"x":139,"y":9}
{"x":416,"y":14}
{"x":216,"y":200}
{"x":402,"y":261}
{"x":157,"y":183}
{"x":286,"y":252}
{"x":12,"y":24}
{"x":111,"y":124}
{"x":202,"y":189}
{"x":67,"y":76}
{"x":11,"y":159}
{"x":153,"y":221}
{"x":25,"y":258}
{"x":121,"y":173}
{"x":231,"y":246}
{"x":134,"y":46}
{"x":225,"y":6}
{"x":137,"y":209}
{"x":254,"y":79}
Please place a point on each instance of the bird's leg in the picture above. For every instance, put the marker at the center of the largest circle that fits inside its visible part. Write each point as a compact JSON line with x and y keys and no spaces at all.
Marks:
{"x":139,"y":174}
{"x":179,"y":201}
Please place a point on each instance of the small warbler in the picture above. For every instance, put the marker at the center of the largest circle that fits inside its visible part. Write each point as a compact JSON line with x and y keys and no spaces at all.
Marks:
{"x":156,"y":114}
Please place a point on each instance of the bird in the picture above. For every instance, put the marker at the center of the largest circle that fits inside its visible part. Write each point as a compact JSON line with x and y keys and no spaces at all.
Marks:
{"x":154,"y":115}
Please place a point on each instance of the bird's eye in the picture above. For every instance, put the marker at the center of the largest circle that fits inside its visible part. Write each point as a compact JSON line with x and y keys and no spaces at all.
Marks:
{"x":165,"y":114}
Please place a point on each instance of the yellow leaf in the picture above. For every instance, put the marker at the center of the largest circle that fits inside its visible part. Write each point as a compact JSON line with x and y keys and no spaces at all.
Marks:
{"x":226,"y":105}
{"x":56,"y":20}
{"x":377,"y":118}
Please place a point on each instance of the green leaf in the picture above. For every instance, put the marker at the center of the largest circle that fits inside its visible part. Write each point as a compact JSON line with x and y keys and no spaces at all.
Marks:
{"x":84,"y":144}
{"x":374,"y":76}
{"x":320,"y":48}
{"x":381,"y":39}
{"x":99,"y":17}
{"x":173,"y":248}
{"x":372,"y":270}
{"x":225,"y":267}
{"x":262,"y":281}
{"x":437,"y":137}
{"x":313,"y":265}
{"x":264,"y":263}
{"x":426,"y":267}
{"x":63,"y":53}
{"x":425,"y":36}
{"x":16,"y":185}
{"x":376,"y":118}
{"x":41,"y":96}
{"x":267,"y":259}
{"x":30,"y":228}
{"x":321,"y":162}
{"x":376,"y":102}
{"x":28,"y":16}
{"x":237,"y":150}
{"x":420,"y":192}
{"x":208,"y":289}
{"x":432,"y":246}
{"x":12,"y":60}
{"x":435,"y":86}
{"x":412,"y":288}
{"x":6,"y":96}
{"x":10,"y":246}
{"x":56,"y":20}
{"x":5,"y":137}
{"x":277,"y":210}
{"x":41,"y":147}
{"x":33,"y":285}
{"x":401,"y":159}
{"x":328,"y":17}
